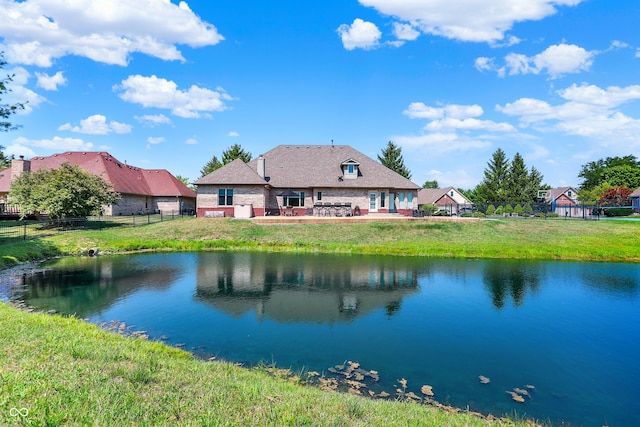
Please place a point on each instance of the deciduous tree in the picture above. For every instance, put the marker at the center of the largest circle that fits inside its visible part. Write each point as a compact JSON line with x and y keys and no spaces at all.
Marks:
{"x":595,"y":173}
{"x":65,"y":192}
{"x":6,"y":110}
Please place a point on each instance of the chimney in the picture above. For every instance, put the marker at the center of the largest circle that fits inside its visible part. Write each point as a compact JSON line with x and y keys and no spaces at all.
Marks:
{"x":18,"y":166}
{"x":261,"y":166}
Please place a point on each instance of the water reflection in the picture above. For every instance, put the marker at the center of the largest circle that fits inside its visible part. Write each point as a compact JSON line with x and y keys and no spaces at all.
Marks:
{"x":504,"y":279}
{"x":88,"y":286}
{"x":305,"y":288}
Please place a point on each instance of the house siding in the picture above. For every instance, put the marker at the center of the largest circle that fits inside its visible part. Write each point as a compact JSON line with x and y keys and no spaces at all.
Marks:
{"x":207,"y":199}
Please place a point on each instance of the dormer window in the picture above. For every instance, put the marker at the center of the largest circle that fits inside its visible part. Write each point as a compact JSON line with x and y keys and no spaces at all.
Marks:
{"x":350,"y":169}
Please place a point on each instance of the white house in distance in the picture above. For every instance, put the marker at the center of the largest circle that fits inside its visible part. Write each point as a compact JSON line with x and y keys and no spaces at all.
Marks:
{"x":322,"y":180}
{"x":447,"y":198}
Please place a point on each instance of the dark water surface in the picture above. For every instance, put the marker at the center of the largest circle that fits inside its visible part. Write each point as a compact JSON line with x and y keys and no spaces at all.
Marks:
{"x":572,"y":330}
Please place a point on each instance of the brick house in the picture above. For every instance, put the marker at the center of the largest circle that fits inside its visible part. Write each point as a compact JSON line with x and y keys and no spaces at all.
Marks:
{"x":305,"y":180}
{"x":142,"y":190}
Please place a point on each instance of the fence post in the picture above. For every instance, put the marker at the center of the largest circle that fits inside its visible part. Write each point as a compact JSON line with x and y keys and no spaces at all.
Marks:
{"x":148,"y":218}
{"x":24,"y":236}
{"x":160,"y":216}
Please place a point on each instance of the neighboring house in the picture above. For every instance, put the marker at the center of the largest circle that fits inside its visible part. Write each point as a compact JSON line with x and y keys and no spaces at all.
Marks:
{"x":635,"y":200}
{"x":304,"y":180}
{"x":142,"y":190}
{"x":448,"y":199}
{"x":563,"y":201}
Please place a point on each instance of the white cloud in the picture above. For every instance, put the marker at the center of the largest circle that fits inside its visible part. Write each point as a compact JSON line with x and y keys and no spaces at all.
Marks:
{"x":18,"y":150}
{"x":48,"y":82}
{"x":56,"y":144}
{"x":418,"y":110}
{"x":191,"y":141}
{"x":161,"y":93}
{"x":233,"y":134}
{"x":405,"y":31}
{"x":485,"y":64}
{"x":589,"y":111}
{"x":36,"y":32}
{"x":97,"y":125}
{"x":467,"y":20}
{"x":19,"y":93}
{"x":153,"y":120}
{"x":556,"y":61}
{"x":155,"y":140}
{"x":440,"y":143}
{"x":359,"y":35}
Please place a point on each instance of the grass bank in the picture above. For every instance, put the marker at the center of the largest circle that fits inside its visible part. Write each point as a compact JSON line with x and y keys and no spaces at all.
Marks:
{"x":62,"y":371}
{"x":503,"y":238}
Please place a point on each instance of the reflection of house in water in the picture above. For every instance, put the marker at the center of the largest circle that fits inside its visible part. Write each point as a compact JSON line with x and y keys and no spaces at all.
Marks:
{"x":309,"y":288}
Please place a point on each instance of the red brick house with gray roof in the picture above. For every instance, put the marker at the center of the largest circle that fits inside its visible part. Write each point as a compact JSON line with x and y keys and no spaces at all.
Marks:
{"x":142,"y":190}
{"x":306,"y":179}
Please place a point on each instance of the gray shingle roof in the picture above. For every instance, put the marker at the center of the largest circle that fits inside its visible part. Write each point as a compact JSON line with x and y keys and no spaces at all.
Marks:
{"x":237,"y":172}
{"x":306,"y":166}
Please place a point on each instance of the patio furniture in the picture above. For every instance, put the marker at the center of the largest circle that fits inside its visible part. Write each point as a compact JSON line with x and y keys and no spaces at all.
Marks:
{"x":288,"y":211}
{"x":347,"y":209}
{"x":338,"y":208}
{"x":327,"y":209}
{"x":317,"y":208}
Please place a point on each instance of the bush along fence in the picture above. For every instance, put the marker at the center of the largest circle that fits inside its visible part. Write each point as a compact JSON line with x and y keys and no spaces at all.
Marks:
{"x":523,"y":210}
{"x":24,"y":229}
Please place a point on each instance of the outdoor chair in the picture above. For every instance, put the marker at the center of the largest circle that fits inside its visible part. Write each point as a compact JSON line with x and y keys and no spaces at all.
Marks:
{"x":327,"y":209}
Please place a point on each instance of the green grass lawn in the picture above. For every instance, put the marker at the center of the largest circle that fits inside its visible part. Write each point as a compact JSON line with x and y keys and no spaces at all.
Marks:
{"x":540,"y":239}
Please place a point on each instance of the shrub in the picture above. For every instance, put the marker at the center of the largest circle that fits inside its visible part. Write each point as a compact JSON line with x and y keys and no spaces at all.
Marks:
{"x":508,"y":209}
{"x":613,"y":212}
{"x":499,"y":210}
{"x":518,"y":210}
{"x":491,"y":210}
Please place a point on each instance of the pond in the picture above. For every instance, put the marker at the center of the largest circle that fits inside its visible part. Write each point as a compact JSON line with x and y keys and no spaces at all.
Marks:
{"x":570,"y":330}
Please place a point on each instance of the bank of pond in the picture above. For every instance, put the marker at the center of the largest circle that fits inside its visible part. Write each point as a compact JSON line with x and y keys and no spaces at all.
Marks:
{"x":553,"y":341}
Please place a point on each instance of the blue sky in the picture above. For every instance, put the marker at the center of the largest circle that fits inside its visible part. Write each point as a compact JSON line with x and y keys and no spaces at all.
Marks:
{"x":166,"y":84}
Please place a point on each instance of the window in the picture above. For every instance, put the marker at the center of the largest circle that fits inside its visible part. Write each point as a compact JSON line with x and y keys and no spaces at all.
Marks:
{"x":319,"y":196}
{"x":569,"y":193}
{"x":351,"y":169}
{"x":225,"y":197}
{"x":294,"y":200}
{"x":410,"y":199}
{"x":382,"y":199}
{"x":401,"y":199}
{"x":451,"y":194}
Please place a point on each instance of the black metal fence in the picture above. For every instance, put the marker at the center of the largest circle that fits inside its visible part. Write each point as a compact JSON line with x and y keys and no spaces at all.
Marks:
{"x":25,"y":229}
{"x":518,"y":210}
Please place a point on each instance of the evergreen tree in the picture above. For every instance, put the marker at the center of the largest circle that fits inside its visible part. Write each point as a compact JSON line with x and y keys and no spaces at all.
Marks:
{"x":235,"y":152}
{"x":211,"y":165}
{"x":391,"y":157}
{"x":430,"y":184}
{"x":534,"y":183}
{"x":517,"y":180}
{"x":493,"y":186}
